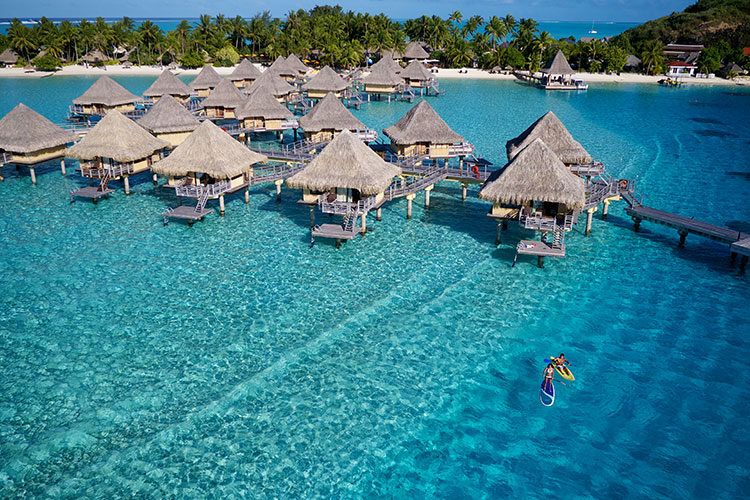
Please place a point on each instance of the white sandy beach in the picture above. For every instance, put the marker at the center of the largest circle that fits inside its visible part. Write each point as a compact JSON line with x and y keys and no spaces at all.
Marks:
{"x":118,"y":70}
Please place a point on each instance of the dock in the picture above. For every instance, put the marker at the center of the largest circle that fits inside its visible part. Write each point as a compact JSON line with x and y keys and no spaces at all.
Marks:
{"x":92,"y":192}
{"x":187,"y":212}
{"x":335,"y":231}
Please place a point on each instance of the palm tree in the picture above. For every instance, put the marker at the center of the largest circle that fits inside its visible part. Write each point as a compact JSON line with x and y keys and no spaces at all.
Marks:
{"x":509,"y":23}
{"x":69,"y":37}
{"x":182,"y":31}
{"x":456,"y":17}
{"x":495,"y":29}
{"x":21,"y":39}
{"x":542,"y":42}
{"x":652,"y":54}
{"x":204,"y":29}
{"x":238,"y":29}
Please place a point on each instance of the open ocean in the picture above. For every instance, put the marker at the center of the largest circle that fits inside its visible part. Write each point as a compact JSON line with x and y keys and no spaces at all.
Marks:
{"x":232,"y":360}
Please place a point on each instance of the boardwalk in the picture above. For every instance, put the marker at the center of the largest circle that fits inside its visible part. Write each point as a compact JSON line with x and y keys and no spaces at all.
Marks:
{"x":684,"y":225}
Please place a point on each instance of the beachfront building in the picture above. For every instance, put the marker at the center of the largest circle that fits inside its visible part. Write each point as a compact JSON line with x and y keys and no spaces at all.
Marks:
{"x":683,"y":52}
{"x":169,"y":121}
{"x":347,"y":178}
{"x":293,"y":62}
{"x":168,"y":84}
{"x":116,"y":148}
{"x":556,"y":136}
{"x":382,"y":81}
{"x":415,"y":52}
{"x":205,"y":82}
{"x":261,"y":112}
{"x":209,"y":164}
{"x":95,"y":56}
{"x":244,"y":74}
{"x":223,"y":100}
{"x":9,"y":58}
{"x":421,"y":132}
{"x":29,"y":139}
{"x":678,"y":69}
{"x":557,"y":74}
{"x":277,"y":86}
{"x":328,"y":118}
{"x":417,"y":76}
{"x":104,"y":95}
{"x":325,"y":81}
{"x":281,"y":68}
{"x":536,"y":189}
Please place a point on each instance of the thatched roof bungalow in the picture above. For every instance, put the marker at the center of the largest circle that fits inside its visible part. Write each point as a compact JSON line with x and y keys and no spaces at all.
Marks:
{"x":95,"y":56}
{"x":168,"y":84}
{"x":327,"y":119}
{"x":28,"y":138}
{"x":205,"y":82}
{"x":104,"y":95}
{"x":421,"y":131}
{"x":223,"y":100}
{"x":9,"y":57}
{"x":281,"y":68}
{"x":415,"y":51}
{"x":262,"y":112}
{"x":346,"y":168}
{"x":557,"y":73}
{"x":293,"y":62}
{"x":550,"y":129}
{"x":382,"y":80}
{"x":118,"y":147}
{"x":277,"y":86}
{"x":325,"y":81}
{"x":416,"y":75}
{"x":245,"y":74}
{"x":389,"y":62}
{"x":209,"y":160}
{"x":537,"y":180}
{"x":169,"y":120}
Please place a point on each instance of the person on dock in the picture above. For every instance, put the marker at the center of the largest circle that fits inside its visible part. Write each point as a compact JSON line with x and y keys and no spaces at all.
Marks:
{"x":549,"y":374}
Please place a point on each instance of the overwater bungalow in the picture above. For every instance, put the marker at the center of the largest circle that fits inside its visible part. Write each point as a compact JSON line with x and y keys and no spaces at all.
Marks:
{"x":104,"y":95}
{"x":245,"y":74}
{"x":168,"y":84}
{"x":9,"y":58}
{"x":223,"y":100}
{"x":417,"y":76}
{"x":293,"y":62}
{"x":29,"y":139}
{"x":207,"y":165}
{"x":381,"y":81}
{"x":557,"y":74}
{"x":277,"y":86}
{"x":551,"y":130}
{"x":281,"y":68}
{"x":347,"y":178}
{"x":116,"y":148}
{"x":538,"y":190}
{"x":261,"y":112}
{"x":328,"y":118}
{"x":415,"y":52}
{"x":169,"y":120}
{"x":205,"y":82}
{"x":389,"y":62}
{"x":421,"y":131}
{"x":325,"y":81}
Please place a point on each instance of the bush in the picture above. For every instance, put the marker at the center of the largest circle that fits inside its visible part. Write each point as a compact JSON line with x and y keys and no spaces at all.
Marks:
{"x":227,"y":56}
{"x":46,"y":63}
{"x":191,"y":59}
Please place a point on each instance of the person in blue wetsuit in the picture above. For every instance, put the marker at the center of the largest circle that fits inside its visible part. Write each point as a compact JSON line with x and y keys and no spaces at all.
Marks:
{"x":549,"y":374}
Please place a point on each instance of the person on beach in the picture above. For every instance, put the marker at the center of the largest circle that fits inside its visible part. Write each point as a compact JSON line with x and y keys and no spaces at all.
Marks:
{"x":549,"y":374}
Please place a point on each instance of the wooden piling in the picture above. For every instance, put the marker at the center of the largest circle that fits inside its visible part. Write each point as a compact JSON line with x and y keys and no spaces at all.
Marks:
{"x":33,"y":175}
{"x":427,"y":196}
{"x":155,"y":178}
{"x":247,"y":195}
{"x":312,"y":217}
{"x":379,"y":214}
{"x":683,"y":235}
{"x":540,"y":262}
{"x":637,"y":221}
{"x":409,"y":198}
{"x":221,"y":205}
{"x":126,"y":181}
{"x":463,"y":191}
{"x":605,"y":209}
{"x":62,"y":167}
{"x":589,"y":219}
{"x":364,"y":223}
{"x":743,"y":263}
{"x":278,"y":188}
{"x":498,"y":235}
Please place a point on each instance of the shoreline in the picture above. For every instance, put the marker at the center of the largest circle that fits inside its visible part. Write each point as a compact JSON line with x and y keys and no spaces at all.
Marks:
{"x":471,"y":74}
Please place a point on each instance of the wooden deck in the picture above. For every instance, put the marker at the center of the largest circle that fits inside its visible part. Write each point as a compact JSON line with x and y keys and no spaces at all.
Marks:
{"x":91,"y":192}
{"x":685,"y":225}
{"x":334,"y":231}
{"x":186,"y":212}
{"x":539,"y":248}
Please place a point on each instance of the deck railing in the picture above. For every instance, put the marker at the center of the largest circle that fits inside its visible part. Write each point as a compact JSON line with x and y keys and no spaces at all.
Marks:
{"x":539,"y":222}
{"x":202,"y":190}
{"x":462,"y":149}
{"x":346,"y":207}
{"x":5,"y":157}
{"x":95,"y":171}
{"x":587,"y":169}
{"x":275,"y":172}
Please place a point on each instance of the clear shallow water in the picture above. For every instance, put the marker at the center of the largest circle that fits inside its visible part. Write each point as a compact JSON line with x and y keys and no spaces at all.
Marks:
{"x":231,"y":360}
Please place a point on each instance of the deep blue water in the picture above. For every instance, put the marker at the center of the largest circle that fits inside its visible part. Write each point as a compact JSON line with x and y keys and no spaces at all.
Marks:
{"x":232,"y":360}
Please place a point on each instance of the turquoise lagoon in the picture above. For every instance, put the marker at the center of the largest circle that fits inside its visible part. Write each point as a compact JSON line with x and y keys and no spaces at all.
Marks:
{"x":232,"y":360}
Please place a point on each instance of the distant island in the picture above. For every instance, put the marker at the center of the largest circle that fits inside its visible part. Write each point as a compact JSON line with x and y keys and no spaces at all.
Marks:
{"x":328,"y":35}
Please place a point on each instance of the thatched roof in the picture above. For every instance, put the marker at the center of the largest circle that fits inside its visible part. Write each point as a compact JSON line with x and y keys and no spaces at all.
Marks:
{"x":416,"y":71}
{"x":116,"y":137}
{"x":209,"y":150}
{"x":388,"y":62}
{"x":535,"y":174}
{"x":167,"y":84}
{"x":330,"y":114}
{"x":558,"y":65}
{"x":108,"y":92}
{"x":550,"y":129}
{"x":276,"y":85}
{"x":94,"y":56}
{"x":415,"y":51}
{"x":9,"y":56}
{"x":348,"y":163}
{"x":293,"y":62}
{"x":23,"y":130}
{"x":245,"y":71}
{"x":326,"y":80}
{"x":208,"y":78}
{"x":261,"y":104}
{"x":422,"y":124}
{"x":382,"y":75}
{"x":392,"y":53}
{"x":224,"y":95}
{"x":168,"y":116}
{"x":632,"y":61}
{"x":281,"y":68}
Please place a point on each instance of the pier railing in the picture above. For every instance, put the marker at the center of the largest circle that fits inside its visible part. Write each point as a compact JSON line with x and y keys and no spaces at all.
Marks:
{"x":202,"y":190}
{"x":345,"y":207}
{"x":274,"y":172}
{"x":539,"y":222}
{"x":588,"y":169}
{"x":94,"y":171}
{"x":462,"y":149}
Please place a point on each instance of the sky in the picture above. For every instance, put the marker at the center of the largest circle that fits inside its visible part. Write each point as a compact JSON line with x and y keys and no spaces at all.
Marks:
{"x":542,"y":10}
